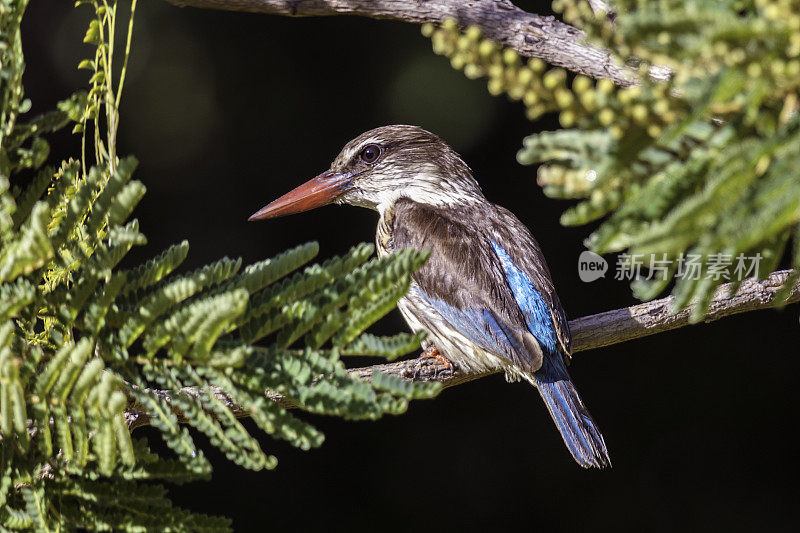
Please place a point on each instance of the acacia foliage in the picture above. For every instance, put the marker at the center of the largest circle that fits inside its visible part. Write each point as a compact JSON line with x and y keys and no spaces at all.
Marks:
{"x":698,"y":156}
{"x":88,"y":349}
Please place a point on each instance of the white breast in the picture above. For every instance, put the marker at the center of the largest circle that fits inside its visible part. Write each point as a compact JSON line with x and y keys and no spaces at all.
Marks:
{"x":421,"y":316}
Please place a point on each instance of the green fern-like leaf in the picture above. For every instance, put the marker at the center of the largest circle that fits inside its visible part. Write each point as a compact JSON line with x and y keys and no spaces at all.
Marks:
{"x":90,"y":352}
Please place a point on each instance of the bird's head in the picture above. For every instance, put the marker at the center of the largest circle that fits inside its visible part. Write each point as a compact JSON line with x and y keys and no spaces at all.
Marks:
{"x":380,"y":166}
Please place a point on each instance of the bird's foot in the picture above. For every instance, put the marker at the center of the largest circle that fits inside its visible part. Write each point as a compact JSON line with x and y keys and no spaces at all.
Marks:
{"x":429,"y":365}
{"x":428,"y":368}
{"x":433,"y":353}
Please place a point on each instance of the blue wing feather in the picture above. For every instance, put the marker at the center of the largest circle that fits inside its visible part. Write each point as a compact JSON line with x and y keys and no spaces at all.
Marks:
{"x":480,"y":326}
{"x":495,"y":335}
{"x":538,"y":316}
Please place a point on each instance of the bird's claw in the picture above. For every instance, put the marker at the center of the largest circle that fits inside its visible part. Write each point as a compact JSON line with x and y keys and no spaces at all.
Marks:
{"x":432,"y":352}
{"x":428,"y":356}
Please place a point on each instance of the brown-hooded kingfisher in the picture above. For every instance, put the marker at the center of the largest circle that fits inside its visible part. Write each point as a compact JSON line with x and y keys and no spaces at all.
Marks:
{"x":485,"y":297}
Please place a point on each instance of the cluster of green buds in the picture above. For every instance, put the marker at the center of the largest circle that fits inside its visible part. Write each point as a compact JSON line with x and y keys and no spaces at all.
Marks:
{"x":767,"y":54}
{"x":578,"y":100}
{"x":760,"y":41}
{"x":541,"y":90}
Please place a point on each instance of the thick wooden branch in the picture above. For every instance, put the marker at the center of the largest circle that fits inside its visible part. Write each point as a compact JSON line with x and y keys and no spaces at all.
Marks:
{"x":529,"y":34}
{"x":619,"y":325}
{"x":595,"y":331}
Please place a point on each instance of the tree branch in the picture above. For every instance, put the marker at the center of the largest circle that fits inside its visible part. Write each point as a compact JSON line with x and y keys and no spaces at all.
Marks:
{"x":595,"y":331}
{"x":529,"y":34}
{"x":619,"y":325}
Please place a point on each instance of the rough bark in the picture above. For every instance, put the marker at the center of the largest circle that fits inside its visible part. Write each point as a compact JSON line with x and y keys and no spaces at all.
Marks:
{"x":529,"y":34}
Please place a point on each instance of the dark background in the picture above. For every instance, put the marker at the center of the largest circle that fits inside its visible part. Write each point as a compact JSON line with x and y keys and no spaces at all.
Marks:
{"x":227,"y":111}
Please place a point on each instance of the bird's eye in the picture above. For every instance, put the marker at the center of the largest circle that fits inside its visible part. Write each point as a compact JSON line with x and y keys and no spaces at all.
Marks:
{"x":370,"y":153}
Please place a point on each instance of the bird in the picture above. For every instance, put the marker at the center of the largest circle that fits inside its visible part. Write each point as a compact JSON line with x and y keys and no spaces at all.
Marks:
{"x":485,"y":297}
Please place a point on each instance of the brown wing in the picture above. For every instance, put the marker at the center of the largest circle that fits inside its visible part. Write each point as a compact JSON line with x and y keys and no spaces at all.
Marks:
{"x":465,"y":277}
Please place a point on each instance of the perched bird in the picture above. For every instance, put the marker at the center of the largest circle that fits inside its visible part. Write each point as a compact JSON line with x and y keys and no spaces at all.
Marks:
{"x":485,"y":296}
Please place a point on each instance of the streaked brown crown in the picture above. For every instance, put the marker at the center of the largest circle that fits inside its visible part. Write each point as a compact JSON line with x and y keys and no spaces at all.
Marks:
{"x":407,"y":153}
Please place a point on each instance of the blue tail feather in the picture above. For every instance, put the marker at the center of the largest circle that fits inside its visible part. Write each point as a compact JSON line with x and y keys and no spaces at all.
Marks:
{"x":580,"y":433}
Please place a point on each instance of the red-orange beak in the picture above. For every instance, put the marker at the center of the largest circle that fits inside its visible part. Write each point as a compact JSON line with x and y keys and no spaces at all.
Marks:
{"x":314,"y":193}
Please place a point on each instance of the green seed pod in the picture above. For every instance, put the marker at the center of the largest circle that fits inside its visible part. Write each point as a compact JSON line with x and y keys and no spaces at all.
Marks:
{"x":639,"y":113}
{"x":486,"y":48}
{"x":495,"y":86}
{"x":653,"y":130}
{"x":581,"y":84}
{"x":606,"y":117}
{"x":605,"y":86}
{"x":772,"y":11}
{"x":450,"y":24}
{"x":588,"y":100}
{"x":458,"y":61}
{"x":510,"y":57}
{"x":473,"y":33}
{"x":440,"y":44}
{"x":530,"y":98}
{"x":516,"y":92}
{"x":473,"y":71}
{"x":563,"y":98}
{"x":525,"y":76}
{"x":616,"y":132}
{"x":537,"y":65}
{"x":585,"y":9}
{"x":661,"y":107}
{"x":427,"y":29}
{"x":754,"y":70}
{"x":571,"y":14}
{"x":629,"y":94}
{"x":567,"y":118}
{"x":463,"y":43}
{"x":553,"y":78}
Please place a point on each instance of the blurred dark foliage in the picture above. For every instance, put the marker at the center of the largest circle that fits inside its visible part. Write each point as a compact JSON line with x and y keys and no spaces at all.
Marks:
{"x":227,"y":111}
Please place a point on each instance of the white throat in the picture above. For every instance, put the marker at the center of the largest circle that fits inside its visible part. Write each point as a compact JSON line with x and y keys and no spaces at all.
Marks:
{"x":422,"y":188}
